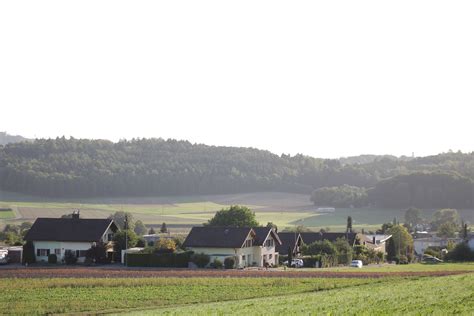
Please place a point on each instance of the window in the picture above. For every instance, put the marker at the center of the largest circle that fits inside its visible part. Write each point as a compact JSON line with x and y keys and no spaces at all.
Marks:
{"x":248,"y":243}
{"x":57,"y":251}
{"x":81,"y":253}
{"x":42,"y":252}
{"x":270,"y":256}
{"x":243,"y":258}
{"x":269,"y":243}
{"x":110,"y":237}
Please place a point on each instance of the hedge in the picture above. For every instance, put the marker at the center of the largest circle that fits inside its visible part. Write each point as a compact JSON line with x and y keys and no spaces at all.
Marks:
{"x":168,"y":260}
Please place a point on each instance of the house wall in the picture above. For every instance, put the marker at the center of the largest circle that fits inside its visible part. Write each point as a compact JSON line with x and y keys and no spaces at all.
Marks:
{"x":267,"y":254}
{"x":471,"y":243}
{"x":62,"y":246}
{"x":245,"y":256}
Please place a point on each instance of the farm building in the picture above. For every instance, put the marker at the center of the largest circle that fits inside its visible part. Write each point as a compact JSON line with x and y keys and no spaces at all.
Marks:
{"x":248,"y":246}
{"x":69,"y":235}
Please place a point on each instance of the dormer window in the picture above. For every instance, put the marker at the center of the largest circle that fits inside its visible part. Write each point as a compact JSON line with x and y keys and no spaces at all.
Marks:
{"x":248,"y":243}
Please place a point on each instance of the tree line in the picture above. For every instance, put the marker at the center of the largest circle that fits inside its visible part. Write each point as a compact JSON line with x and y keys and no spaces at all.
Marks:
{"x":69,"y":167}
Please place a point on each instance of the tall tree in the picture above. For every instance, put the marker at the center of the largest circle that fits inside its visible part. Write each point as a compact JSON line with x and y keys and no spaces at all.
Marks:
{"x":164,"y":228}
{"x":140,"y":228}
{"x":445,"y":216}
{"x":120,"y":218}
{"x":413,"y":217}
{"x":402,"y":240}
{"x":235,"y":216}
{"x":349,"y":224}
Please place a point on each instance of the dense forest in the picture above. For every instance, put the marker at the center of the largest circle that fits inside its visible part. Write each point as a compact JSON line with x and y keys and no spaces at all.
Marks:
{"x":71,"y":167}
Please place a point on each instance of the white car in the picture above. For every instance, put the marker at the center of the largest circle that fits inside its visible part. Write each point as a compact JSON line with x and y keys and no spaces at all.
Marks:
{"x":356,"y":263}
{"x":3,"y":256}
{"x":295,"y":263}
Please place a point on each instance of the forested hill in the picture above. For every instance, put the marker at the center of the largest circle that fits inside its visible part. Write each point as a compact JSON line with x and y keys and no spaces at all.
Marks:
{"x":87,"y":168}
{"x":7,"y":138}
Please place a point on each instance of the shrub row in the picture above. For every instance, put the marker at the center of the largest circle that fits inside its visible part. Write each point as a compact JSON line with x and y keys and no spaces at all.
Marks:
{"x":169,"y":260}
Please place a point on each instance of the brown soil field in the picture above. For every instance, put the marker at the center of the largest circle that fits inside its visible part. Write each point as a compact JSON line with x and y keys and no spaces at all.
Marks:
{"x":94,"y":272}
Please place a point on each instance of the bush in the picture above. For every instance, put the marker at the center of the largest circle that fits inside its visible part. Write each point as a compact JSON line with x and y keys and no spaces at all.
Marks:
{"x":52,"y":259}
{"x":98,"y":253}
{"x":403,"y":259}
{"x":29,"y":253}
{"x":461,"y":252}
{"x":217,"y":264}
{"x":168,"y":260}
{"x":229,"y":263}
{"x":88,"y":261}
{"x":70,"y":258}
{"x":165,"y":245}
{"x":201,"y":259}
{"x":311,"y":261}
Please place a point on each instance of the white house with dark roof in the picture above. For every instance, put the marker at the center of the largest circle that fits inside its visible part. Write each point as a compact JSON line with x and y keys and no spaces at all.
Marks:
{"x":248,"y":246}
{"x":61,"y":235}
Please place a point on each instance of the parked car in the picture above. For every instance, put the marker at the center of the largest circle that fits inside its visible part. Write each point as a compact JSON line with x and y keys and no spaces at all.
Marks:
{"x":431,"y":259}
{"x":356,"y":263}
{"x":295,"y":263}
{"x":3,"y":256}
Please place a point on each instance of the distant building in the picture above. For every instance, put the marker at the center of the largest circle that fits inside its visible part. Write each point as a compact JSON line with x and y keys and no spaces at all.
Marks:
{"x":377,"y":242}
{"x":69,"y":235}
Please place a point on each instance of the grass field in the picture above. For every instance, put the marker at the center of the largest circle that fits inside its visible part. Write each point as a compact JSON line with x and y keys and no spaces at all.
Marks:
{"x":72,"y":295}
{"x":423,"y":296}
{"x":439,"y":295}
{"x":284,"y":209}
{"x":6,"y":213}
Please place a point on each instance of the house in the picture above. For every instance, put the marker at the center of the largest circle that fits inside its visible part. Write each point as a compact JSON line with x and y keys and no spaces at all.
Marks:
{"x":310,"y":237}
{"x":377,"y":242}
{"x":470,"y":241}
{"x":248,"y":246}
{"x":62,"y":235}
{"x":421,"y":244}
{"x":151,"y":239}
{"x":289,"y":240}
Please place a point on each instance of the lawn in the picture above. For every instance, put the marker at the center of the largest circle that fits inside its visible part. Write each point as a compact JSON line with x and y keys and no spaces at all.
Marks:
{"x":6,"y":213}
{"x":422,"y":296}
{"x":72,"y":295}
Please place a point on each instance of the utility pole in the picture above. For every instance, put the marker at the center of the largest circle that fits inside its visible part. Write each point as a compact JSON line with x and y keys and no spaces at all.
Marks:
{"x":126,"y":238}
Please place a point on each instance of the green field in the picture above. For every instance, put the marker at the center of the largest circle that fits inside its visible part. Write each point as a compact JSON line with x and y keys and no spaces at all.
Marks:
{"x":284,"y":209}
{"x":439,"y":295}
{"x":72,"y":295}
{"x":423,"y":296}
{"x":6,"y":213}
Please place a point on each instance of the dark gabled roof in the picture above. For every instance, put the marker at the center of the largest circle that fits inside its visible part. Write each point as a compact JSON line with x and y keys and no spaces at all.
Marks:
{"x":217,"y":237}
{"x":262,"y":233}
{"x":288,"y":240}
{"x":309,"y":238}
{"x":69,"y":229}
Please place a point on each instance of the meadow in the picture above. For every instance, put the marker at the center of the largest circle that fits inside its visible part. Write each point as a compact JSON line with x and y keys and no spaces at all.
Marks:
{"x":324,"y":291}
{"x":6,"y":213}
{"x":71,"y":295}
{"x":417,"y":296}
{"x":180,"y":213}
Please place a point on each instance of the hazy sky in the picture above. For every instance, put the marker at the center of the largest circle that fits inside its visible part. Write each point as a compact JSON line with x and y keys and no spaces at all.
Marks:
{"x":323,"y":78}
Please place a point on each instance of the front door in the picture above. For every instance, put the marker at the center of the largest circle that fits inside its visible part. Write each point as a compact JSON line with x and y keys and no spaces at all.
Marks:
{"x":249,"y":260}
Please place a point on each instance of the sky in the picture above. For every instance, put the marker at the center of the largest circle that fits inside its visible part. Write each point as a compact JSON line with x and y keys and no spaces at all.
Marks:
{"x":321,"y":78}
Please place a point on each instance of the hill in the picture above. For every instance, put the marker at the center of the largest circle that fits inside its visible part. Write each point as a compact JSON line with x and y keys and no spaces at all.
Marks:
{"x":72,"y":167}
